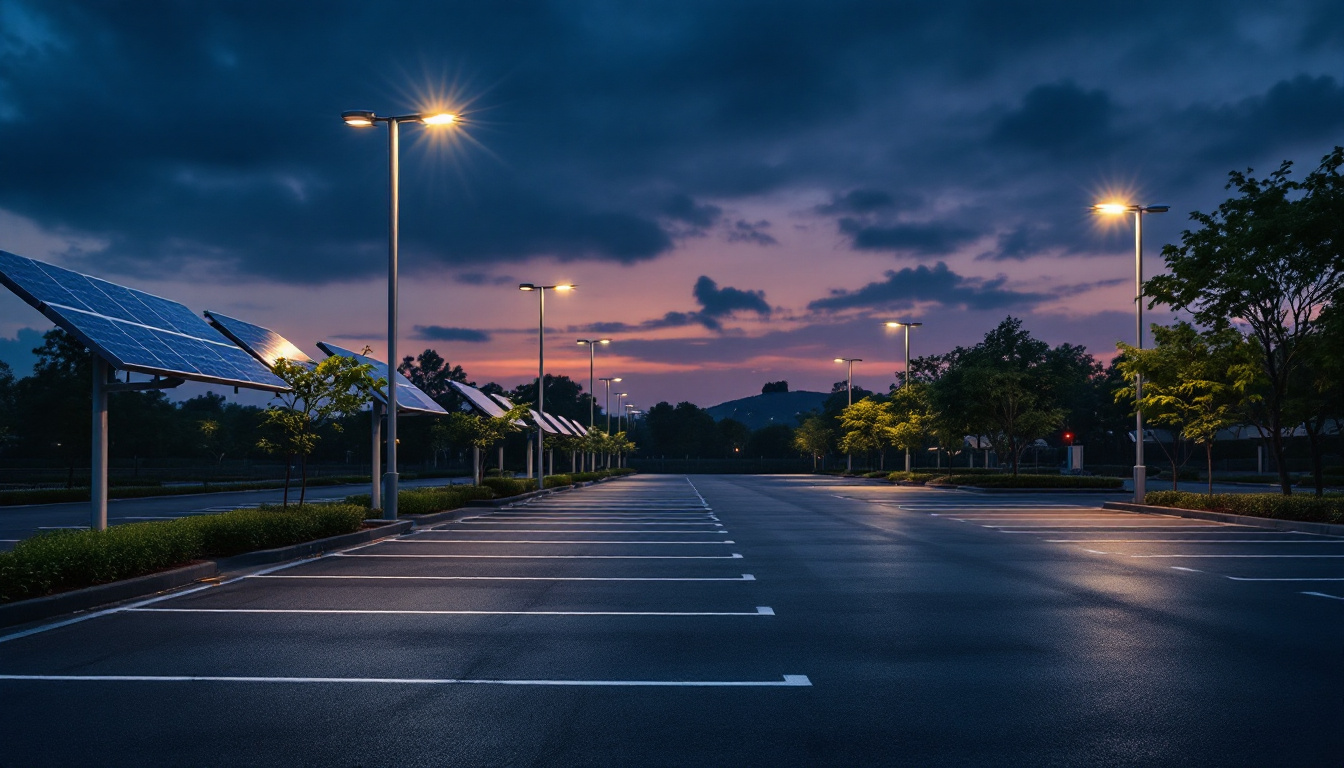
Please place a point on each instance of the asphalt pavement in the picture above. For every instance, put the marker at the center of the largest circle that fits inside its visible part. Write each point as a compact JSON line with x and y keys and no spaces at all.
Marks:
{"x":21,"y":521}
{"x":720,"y":620}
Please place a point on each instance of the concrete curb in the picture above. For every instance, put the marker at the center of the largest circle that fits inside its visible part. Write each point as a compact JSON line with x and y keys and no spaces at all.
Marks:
{"x":973,"y":489}
{"x":37,"y":608}
{"x":1301,"y":526}
{"x":85,"y":599}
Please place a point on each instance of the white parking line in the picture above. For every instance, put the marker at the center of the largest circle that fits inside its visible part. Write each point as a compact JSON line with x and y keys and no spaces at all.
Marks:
{"x":1322,"y":594}
{"x":1317,"y":557}
{"x":437,"y":529}
{"x":789,"y":681}
{"x":734,"y":556}
{"x":1193,"y":541}
{"x":545,"y":541}
{"x":760,"y":611}
{"x":743,"y":577}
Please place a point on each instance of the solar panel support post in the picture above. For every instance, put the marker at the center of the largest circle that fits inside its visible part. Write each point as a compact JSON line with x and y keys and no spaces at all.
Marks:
{"x":98,"y":465}
{"x":375,"y":492}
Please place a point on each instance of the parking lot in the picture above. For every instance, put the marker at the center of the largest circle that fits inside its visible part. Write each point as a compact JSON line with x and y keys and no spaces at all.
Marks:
{"x":665,"y":620}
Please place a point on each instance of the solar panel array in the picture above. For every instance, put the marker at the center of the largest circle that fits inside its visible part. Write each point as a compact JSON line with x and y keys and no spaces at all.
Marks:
{"x":264,"y":344}
{"x":133,"y":330}
{"x":409,"y":396}
{"x":479,"y":400}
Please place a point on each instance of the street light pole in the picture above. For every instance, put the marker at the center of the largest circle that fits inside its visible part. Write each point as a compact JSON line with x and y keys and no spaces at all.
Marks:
{"x":1140,"y":469}
{"x":592,"y":396}
{"x":541,"y":368}
{"x":849,"y":391}
{"x":362,"y":118}
{"x":906,"y":379}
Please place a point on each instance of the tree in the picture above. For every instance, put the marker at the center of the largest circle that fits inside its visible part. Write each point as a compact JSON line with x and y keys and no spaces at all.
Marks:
{"x":913,"y":416}
{"x":813,"y":437}
{"x":774,"y":386}
{"x":735,"y":436}
{"x":318,"y":394}
{"x":1317,"y":396}
{"x":867,"y":425}
{"x":56,"y":401}
{"x":1272,"y":257}
{"x":564,"y":396}
{"x":1196,"y":383}
{"x":433,"y":375}
{"x":483,"y":432}
{"x":773,"y":441}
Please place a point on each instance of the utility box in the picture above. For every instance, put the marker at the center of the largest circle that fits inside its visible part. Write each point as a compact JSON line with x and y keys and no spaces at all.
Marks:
{"x":1075,"y":457}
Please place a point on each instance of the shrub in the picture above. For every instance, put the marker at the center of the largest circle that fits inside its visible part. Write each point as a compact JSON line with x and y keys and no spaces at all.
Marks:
{"x":875,"y":474}
{"x":423,"y":501}
{"x":64,"y":560}
{"x":1329,"y":509}
{"x":1029,"y":481}
{"x":901,"y":476}
{"x":504,"y":487}
{"x":559,"y":481}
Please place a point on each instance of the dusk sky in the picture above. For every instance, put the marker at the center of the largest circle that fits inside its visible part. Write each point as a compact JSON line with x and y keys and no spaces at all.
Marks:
{"x":742,"y":190}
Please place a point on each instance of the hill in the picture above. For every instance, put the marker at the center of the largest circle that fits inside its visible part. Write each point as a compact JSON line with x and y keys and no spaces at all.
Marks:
{"x":773,"y":408}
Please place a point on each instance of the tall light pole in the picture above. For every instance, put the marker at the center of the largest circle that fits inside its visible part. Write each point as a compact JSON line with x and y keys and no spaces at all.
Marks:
{"x":541,"y":367}
{"x":619,"y":396}
{"x":1140,"y":470}
{"x":592,"y":396}
{"x":906,"y":379}
{"x":607,"y":407}
{"x":849,"y":391}
{"x":363,"y":118}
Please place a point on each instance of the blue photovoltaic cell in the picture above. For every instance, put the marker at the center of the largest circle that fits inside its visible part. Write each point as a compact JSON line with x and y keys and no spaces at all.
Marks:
{"x":266,"y":345}
{"x":133,"y":330}
{"x":479,"y":400}
{"x":409,"y":396}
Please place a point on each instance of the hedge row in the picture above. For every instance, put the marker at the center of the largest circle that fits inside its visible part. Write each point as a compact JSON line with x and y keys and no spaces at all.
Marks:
{"x":1329,"y":509}
{"x":424,"y":501}
{"x":63,"y":560}
{"x":1028,"y":481}
{"x":509,"y":486}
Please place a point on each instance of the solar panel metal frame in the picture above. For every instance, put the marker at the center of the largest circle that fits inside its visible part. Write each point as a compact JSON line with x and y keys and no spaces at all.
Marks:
{"x":251,"y":337}
{"x":579,"y":429}
{"x":133,"y":330}
{"x":410,"y":398}
{"x":479,"y":400}
{"x":564,"y":424}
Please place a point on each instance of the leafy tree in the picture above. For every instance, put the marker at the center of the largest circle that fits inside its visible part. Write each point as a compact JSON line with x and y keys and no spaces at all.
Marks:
{"x":1316,"y":397}
{"x":683,"y":430}
{"x":484,"y":432}
{"x":434,"y":376}
{"x":564,"y":396}
{"x":1271,"y":257}
{"x":774,"y":386}
{"x":55,"y":402}
{"x":735,"y":435}
{"x":318,"y":395}
{"x":773,"y":441}
{"x":866,"y":426}
{"x":913,"y":416}
{"x":814,"y":437}
{"x":1195,"y":383}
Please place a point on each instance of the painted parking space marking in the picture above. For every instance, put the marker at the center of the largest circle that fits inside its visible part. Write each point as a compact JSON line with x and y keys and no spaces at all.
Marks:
{"x":550,"y":541}
{"x":760,"y":611}
{"x":1322,"y":594}
{"x":1311,"y":557}
{"x":788,"y":681}
{"x":354,"y":577}
{"x":438,"y":529}
{"x":734,"y":556}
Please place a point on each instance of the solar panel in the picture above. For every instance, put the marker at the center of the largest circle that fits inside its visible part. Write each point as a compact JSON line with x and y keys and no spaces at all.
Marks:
{"x":563,"y":423}
{"x":479,"y":400}
{"x":409,"y":396}
{"x":262,"y":343}
{"x":133,"y":330}
{"x":578,"y":428}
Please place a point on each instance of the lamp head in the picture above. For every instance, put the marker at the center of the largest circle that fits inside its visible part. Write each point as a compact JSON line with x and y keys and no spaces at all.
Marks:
{"x":839,"y":359}
{"x":441,"y":118}
{"x":618,"y":378}
{"x":526,"y":287}
{"x":564,"y":287}
{"x":1112,"y":209}
{"x":1157,"y":209}
{"x":604,"y":341}
{"x":358,"y":118}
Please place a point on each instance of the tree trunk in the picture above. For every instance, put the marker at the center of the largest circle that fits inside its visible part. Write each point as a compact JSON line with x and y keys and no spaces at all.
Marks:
{"x":289,"y":466}
{"x":1208,"y":454}
{"x":1314,"y":441}
{"x":1276,"y":444}
{"x":303,"y":478}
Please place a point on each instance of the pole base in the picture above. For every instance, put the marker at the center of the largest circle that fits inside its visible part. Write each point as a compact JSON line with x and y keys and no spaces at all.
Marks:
{"x":1140,"y":484}
{"x":390,"y":495}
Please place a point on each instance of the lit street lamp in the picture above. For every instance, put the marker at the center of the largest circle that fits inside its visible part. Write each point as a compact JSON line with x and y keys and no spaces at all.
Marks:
{"x":363,"y":118}
{"x":541,"y":368}
{"x":849,"y":391}
{"x":607,"y":407}
{"x":1140,"y":470}
{"x":592,"y":396}
{"x":906,"y":379}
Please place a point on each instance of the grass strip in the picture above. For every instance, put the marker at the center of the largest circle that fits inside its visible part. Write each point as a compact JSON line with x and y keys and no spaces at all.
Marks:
{"x":1275,"y":506}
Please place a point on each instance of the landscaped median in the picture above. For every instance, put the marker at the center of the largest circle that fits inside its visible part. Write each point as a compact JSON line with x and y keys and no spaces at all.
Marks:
{"x":994,"y":480}
{"x":1272,"y":506}
{"x":59,"y":561}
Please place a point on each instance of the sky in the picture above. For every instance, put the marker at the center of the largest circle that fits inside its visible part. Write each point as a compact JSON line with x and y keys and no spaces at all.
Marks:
{"x":742,"y":191}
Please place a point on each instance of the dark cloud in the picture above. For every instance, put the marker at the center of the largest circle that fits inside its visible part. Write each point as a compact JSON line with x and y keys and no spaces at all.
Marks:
{"x":444,"y":333}
{"x":719,"y":302}
{"x":864,"y":201}
{"x":751,"y":232}
{"x":1059,"y":118}
{"x":915,"y":238}
{"x":904,"y":288}
{"x":481,"y":278}
{"x":18,"y":351}
{"x":684,"y":209}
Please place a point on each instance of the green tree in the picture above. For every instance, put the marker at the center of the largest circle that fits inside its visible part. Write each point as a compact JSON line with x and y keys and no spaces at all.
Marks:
{"x":1271,"y":257}
{"x":318,"y":395}
{"x":814,"y":437}
{"x":434,"y":376}
{"x":866,"y":426}
{"x":773,"y":441}
{"x":913,"y":414}
{"x":484,"y":432}
{"x":1196,"y":383}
